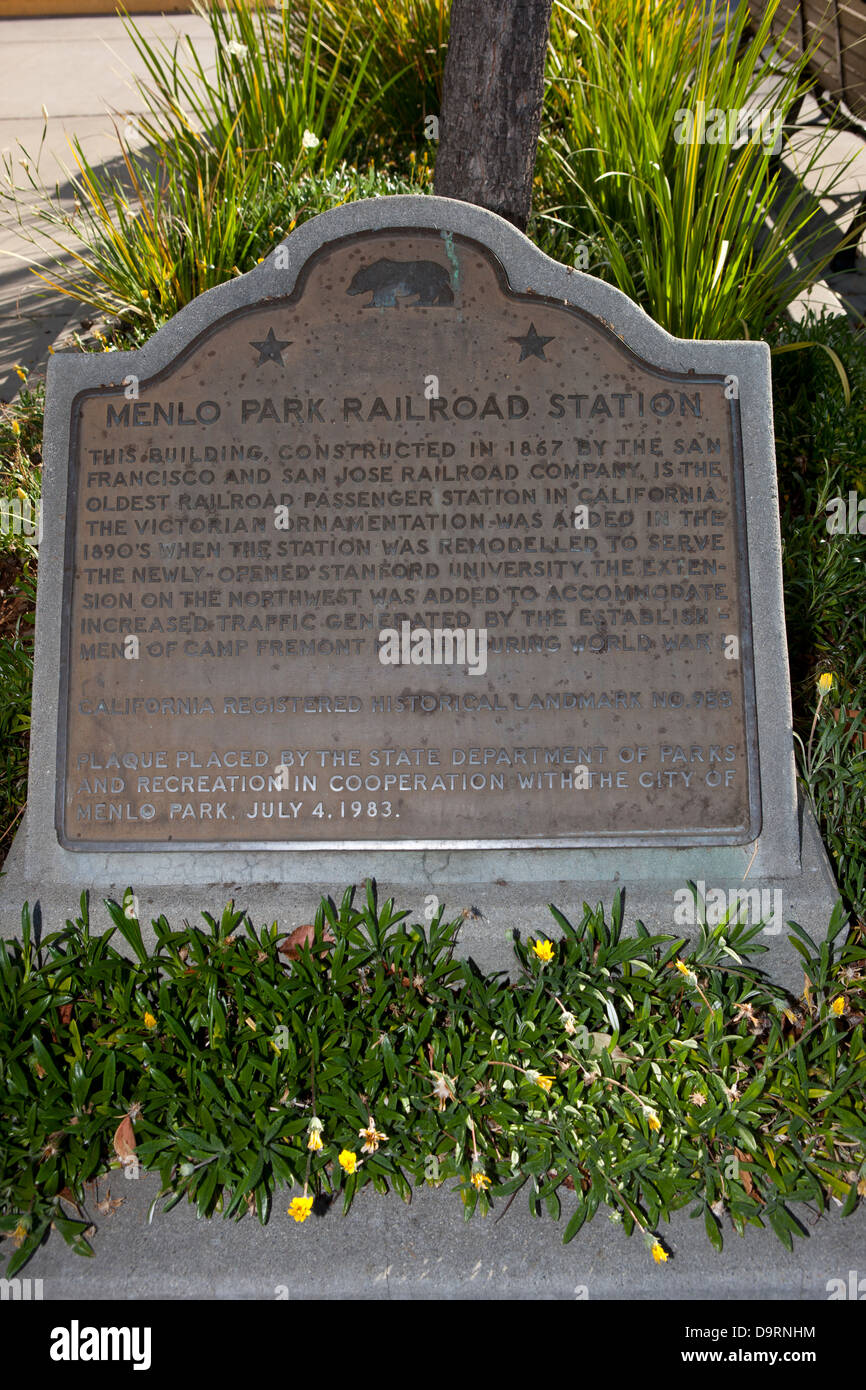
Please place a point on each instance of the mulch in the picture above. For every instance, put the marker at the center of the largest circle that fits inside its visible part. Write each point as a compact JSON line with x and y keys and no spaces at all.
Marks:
{"x":13,"y":603}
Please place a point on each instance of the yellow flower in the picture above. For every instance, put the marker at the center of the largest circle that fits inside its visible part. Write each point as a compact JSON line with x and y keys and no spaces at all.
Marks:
{"x":480,"y":1180}
{"x":372,"y":1136}
{"x":19,"y":1235}
{"x":16,"y":428}
{"x":838,"y":1006}
{"x":21,"y":372}
{"x":684,"y":970}
{"x":149,"y":1020}
{"x":659,"y":1254}
{"x":652,"y":1119}
{"x":348,"y":1161}
{"x":826,"y":682}
{"x":315,"y":1140}
{"x":544,"y":950}
{"x":301,"y":1208}
{"x":545,"y":1082}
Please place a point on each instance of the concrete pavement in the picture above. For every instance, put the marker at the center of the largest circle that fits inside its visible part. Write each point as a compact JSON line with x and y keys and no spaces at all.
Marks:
{"x":426,"y":1251}
{"x":80,"y":70}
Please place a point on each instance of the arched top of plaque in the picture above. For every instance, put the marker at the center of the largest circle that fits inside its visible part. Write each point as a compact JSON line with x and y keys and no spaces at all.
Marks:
{"x":522,"y":270}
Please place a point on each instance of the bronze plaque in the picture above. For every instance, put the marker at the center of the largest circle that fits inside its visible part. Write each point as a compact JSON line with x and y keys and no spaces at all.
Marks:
{"x":407,"y":559}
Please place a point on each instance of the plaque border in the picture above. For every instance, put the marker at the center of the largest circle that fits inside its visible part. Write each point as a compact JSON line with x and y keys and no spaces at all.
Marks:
{"x":657,"y":839}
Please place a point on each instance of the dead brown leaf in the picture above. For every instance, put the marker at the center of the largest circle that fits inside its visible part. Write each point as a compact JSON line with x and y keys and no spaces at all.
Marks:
{"x":109,"y":1204}
{"x":807,"y":992}
{"x":404,"y":979}
{"x":293,"y":944}
{"x":745,"y":1176}
{"x":124,"y":1143}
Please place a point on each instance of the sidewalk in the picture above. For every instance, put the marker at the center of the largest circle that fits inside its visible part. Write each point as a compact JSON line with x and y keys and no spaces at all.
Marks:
{"x":79,"y":69}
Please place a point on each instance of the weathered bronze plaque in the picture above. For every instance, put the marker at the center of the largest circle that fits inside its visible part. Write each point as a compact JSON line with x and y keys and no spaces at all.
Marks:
{"x":405,"y":559}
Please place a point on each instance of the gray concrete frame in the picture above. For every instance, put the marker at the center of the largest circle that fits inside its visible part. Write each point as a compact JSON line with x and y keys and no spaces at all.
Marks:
{"x":777,"y":850}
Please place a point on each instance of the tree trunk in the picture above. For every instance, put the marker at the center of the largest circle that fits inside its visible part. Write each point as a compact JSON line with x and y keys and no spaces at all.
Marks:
{"x":491,"y":104}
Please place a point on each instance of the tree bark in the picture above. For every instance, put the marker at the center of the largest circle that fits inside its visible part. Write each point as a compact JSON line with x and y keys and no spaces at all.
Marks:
{"x":491,"y":104}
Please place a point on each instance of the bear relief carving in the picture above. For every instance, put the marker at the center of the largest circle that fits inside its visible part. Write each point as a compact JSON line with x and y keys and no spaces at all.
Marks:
{"x":388,"y":280}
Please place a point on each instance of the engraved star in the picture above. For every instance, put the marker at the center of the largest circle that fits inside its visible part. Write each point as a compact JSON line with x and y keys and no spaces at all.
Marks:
{"x":531,"y":344}
{"x":270,"y":349}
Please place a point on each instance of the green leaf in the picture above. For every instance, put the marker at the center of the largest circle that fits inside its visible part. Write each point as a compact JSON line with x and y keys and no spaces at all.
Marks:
{"x":46,"y":1061}
{"x":831,"y":353}
{"x":575,"y":1222}
{"x":26,"y":1249}
{"x":777,"y":1221}
{"x":128,"y":928}
{"x":551,"y":1201}
{"x":713,"y":1229}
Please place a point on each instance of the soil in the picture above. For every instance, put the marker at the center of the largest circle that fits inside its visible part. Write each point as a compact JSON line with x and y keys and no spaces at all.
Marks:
{"x":13,"y":603}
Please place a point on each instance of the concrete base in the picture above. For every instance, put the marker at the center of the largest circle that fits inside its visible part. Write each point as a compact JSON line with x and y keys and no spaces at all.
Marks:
{"x":504,"y":905}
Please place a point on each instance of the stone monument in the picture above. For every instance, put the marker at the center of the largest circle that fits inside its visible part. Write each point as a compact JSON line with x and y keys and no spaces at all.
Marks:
{"x":412,"y":554}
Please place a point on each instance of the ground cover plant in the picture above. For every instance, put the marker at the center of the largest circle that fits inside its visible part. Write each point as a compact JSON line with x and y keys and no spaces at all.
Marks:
{"x":821,"y":455}
{"x":262,"y":1073}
